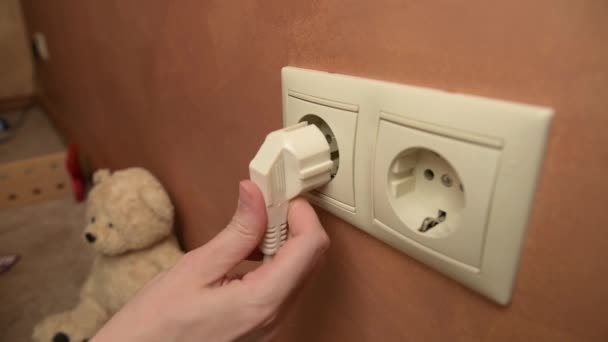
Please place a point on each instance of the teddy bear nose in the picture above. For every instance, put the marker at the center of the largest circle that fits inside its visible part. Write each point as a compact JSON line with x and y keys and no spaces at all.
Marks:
{"x":90,"y":237}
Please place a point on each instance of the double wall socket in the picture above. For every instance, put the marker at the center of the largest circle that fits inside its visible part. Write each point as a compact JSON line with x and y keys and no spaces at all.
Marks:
{"x":446,"y":178}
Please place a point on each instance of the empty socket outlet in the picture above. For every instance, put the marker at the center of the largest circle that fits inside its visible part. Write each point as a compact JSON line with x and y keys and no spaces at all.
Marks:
{"x":426,"y":192}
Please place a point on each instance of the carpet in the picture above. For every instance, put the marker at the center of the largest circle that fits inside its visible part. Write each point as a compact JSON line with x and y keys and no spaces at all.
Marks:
{"x":54,"y":263}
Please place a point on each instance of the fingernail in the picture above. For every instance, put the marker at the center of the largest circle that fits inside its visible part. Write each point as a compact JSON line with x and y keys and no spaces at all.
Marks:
{"x":244,"y":196}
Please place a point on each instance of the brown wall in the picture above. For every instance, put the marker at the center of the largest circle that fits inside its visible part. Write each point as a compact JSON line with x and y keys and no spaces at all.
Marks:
{"x":16,"y":70}
{"x":190,"y":88}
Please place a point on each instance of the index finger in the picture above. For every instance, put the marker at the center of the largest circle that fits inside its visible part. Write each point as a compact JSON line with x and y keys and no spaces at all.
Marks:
{"x":297,"y":257}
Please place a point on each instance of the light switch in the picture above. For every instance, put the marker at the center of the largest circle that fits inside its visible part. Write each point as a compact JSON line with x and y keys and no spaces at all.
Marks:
{"x":446,"y":178}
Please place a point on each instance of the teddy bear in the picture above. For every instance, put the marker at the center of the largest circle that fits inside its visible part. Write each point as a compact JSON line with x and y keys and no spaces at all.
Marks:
{"x":129,"y":226}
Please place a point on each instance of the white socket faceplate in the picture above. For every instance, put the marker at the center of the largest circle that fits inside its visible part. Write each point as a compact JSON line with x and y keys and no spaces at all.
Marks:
{"x":485,"y":156}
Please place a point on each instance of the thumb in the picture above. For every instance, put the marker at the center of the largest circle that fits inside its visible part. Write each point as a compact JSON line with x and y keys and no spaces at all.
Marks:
{"x":235,"y":242}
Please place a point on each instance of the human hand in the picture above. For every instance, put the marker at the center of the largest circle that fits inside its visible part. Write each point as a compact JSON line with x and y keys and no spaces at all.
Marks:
{"x":197,"y":300}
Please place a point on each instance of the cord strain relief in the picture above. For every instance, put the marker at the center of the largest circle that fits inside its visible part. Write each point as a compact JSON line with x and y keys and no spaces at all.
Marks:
{"x":274,"y":238}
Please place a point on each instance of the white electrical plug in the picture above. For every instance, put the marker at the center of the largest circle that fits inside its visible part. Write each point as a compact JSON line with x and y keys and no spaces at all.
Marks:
{"x":291,"y":161}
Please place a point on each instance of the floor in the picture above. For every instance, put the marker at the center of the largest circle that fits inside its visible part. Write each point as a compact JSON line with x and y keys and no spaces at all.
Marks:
{"x":54,"y":262}
{"x":35,"y":136}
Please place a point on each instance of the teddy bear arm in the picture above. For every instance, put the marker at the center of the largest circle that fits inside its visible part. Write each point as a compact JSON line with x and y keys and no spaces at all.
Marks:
{"x":93,"y":287}
{"x":91,"y":316}
{"x":170,"y":257}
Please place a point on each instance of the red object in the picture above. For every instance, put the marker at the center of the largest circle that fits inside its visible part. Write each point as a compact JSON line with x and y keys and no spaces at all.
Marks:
{"x":73,"y":166}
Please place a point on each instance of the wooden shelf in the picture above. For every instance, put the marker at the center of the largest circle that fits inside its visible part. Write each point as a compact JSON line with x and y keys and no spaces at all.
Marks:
{"x":32,"y":163}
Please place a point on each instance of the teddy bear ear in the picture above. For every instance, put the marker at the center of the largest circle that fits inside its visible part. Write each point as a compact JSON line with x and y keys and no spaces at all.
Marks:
{"x":101,"y":175}
{"x":158,"y":201}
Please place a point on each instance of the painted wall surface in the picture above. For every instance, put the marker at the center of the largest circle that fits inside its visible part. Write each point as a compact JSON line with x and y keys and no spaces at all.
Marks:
{"x":190,"y":88}
{"x":16,"y":70}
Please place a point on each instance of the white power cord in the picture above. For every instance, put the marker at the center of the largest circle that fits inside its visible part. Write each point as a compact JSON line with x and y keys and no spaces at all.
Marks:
{"x":291,"y":161}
